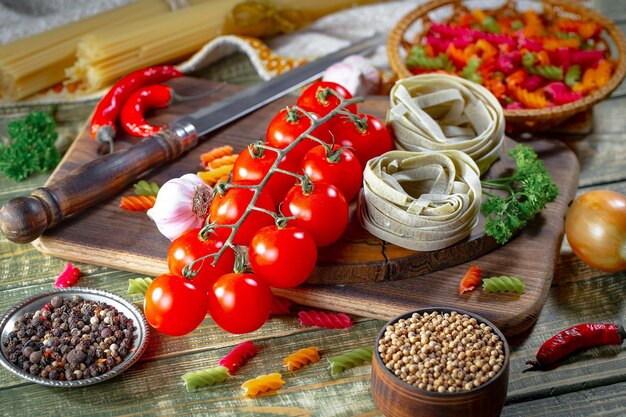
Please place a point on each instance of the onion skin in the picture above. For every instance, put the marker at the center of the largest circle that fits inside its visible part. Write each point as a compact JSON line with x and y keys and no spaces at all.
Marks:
{"x":595,"y":227}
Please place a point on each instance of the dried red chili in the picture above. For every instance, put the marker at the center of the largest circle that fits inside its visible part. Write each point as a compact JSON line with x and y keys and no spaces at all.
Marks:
{"x":577,"y":337}
{"x":103,"y":121}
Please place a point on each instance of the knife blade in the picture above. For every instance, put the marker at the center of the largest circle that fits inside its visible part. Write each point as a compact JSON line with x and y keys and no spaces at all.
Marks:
{"x":24,"y":219}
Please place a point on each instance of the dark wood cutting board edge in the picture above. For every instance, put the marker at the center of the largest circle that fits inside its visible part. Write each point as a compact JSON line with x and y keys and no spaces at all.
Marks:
{"x":532,"y":255}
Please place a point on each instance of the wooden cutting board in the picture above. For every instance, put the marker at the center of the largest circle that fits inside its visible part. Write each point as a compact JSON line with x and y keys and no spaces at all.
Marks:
{"x":383,"y":280}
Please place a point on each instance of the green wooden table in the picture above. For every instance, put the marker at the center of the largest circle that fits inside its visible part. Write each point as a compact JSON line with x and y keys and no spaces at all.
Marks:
{"x":591,"y":383}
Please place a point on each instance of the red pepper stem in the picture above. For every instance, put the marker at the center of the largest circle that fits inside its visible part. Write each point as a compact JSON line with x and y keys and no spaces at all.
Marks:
{"x":105,"y":136}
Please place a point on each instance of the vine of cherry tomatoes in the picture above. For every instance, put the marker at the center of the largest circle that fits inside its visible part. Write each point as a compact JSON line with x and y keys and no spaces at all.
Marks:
{"x":311,"y":206}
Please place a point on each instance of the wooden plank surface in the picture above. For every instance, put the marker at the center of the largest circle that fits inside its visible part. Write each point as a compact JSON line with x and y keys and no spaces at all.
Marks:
{"x":99,"y":236}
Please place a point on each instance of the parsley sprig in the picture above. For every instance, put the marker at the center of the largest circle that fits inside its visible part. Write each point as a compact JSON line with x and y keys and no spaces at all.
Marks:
{"x":32,"y":146}
{"x":530,"y":188}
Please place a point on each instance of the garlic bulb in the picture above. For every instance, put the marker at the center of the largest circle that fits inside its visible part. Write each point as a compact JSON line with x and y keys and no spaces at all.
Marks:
{"x":181,"y":204}
{"x":356,"y":74}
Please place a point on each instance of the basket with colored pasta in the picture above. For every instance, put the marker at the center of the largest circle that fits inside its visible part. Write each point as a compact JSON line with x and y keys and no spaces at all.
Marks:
{"x":545,"y":60}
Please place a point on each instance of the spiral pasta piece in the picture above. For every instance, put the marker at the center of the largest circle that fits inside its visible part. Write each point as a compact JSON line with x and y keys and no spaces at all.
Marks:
{"x":215,"y":153}
{"x":326,"y":320}
{"x":534,"y":100}
{"x":439,"y":112}
{"x":137,"y":202}
{"x":503,"y":284}
{"x":280,"y":306}
{"x":146,"y":188}
{"x":212,"y":376}
{"x":239,"y":355}
{"x":471,"y":279}
{"x":421,"y":201}
{"x":139,"y":285}
{"x":551,"y":72}
{"x":224,"y":160}
{"x":262,"y":383}
{"x":350,"y":359}
{"x":213,"y":176}
{"x":302,"y":357}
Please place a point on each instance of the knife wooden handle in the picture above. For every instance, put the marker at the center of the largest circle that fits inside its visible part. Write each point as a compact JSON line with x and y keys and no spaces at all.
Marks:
{"x":24,"y":219}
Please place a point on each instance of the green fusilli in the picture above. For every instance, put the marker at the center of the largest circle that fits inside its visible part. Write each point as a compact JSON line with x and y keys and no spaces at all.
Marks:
{"x":205,"y":377}
{"x":528,"y":60}
{"x":490,"y":24}
{"x":349,"y":359}
{"x":572,"y":76}
{"x":139,"y":285}
{"x":503,"y":284}
{"x":470,"y":72}
{"x":551,"y":72}
{"x":146,"y":188}
{"x":418,"y":59}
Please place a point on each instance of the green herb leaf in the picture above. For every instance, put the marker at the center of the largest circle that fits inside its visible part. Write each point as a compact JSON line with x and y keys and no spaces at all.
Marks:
{"x":32,"y":147}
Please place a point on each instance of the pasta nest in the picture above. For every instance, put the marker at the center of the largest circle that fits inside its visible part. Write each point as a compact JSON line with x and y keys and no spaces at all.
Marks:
{"x":441,"y":112}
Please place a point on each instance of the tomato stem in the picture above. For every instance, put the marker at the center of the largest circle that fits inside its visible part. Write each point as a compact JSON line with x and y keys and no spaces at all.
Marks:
{"x":307,"y":184}
{"x":257,"y":150}
{"x":292,"y":115}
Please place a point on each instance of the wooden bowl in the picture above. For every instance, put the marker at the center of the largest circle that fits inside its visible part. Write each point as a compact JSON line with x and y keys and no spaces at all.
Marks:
{"x":523,"y":119}
{"x":394,"y":397}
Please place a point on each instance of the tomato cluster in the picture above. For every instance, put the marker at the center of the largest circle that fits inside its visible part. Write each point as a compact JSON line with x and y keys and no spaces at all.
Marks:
{"x":301,"y":207}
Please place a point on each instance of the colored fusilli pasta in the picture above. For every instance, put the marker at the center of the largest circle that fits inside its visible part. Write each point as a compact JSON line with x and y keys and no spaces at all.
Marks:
{"x":350,"y":359}
{"x":470,"y":280}
{"x":503,"y":284}
{"x":534,"y":100}
{"x":215,"y":153}
{"x":212,"y":376}
{"x":213,"y":176}
{"x":262,"y":383}
{"x":280,"y":306}
{"x":302,"y":357}
{"x":137,"y":202}
{"x":549,"y":72}
{"x":139,"y":285}
{"x":146,"y":188}
{"x":325,"y":320}
{"x":224,"y":160}
{"x":572,"y":76}
{"x":239,"y":355}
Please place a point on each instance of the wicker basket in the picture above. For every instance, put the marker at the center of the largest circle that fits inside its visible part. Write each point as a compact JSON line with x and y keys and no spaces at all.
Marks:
{"x":524,"y":119}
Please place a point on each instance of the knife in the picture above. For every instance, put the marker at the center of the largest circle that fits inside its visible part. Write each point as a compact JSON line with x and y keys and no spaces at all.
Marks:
{"x":24,"y":219}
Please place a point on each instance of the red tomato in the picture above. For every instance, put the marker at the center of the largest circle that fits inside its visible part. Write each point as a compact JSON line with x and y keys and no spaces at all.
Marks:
{"x":367,"y":136}
{"x":341,"y":168}
{"x":229,"y":208}
{"x":253,"y":171}
{"x":240,"y":303}
{"x":317,"y":99}
{"x":290,"y":123}
{"x":283,"y":257}
{"x":187,"y":248}
{"x":323,"y":212}
{"x":174,"y":305}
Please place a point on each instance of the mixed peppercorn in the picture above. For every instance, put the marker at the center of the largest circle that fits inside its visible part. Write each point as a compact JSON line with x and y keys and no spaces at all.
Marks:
{"x":70,"y":339}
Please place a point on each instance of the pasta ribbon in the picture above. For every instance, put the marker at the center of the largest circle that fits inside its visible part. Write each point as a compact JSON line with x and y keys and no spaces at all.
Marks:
{"x":439,"y":112}
{"x":350,"y":359}
{"x":302,"y":357}
{"x":212,"y":376}
{"x":422,"y":201}
{"x":262,"y":383}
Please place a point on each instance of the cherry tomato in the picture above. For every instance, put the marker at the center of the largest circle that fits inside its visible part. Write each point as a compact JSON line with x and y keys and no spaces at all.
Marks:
{"x":340,"y":168}
{"x":366,"y":135}
{"x":174,"y":305}
{"x":323,"y":212}
{"x":317,"y":99}
{"x":240,"y":303}
{"x":288,"y":125}
{"x":253,"y":170}
{"x":595,"y":227}
{"x":229,"y":208}
{"x":283,"y":257}
{"x":187,"y":248}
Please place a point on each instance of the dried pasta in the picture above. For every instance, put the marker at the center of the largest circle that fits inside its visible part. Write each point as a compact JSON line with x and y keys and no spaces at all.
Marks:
{"x":224,"y":160}
{"x":146,"y":188}
{"x":302,"y":357}
{"x":212,"y":376}
{"x":350,"y":359}
{"x":212,"y":177}
{"x":280,"y":306}
{"x":503,"y":284}
{"x":326,"y":320}
{"x":239,"y":355}
{"x":215,"y":153}
{"x":137,"y":202}
{"x":471,"y":279}
{"x":262,"y":383}
{"x":534,"y":100}
{"x":139,"y":285}
{"x":549,"y":72}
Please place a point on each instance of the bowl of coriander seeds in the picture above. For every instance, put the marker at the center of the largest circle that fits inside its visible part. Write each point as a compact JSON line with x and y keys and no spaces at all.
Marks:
{"x":440,"y":362}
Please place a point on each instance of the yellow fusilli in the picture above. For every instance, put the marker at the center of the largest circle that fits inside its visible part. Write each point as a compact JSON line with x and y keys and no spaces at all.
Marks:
{"x":302,"y":357}
{"x":263,"y":383}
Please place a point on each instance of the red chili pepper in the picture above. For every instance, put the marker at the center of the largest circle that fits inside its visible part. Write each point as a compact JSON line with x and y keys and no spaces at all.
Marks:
{"x":103,"y":121}
{"x":132,"y":114}
{"x":578,"y":337}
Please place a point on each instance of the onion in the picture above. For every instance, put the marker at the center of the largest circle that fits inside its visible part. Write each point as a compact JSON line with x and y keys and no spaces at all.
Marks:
{"x":595,"y":227}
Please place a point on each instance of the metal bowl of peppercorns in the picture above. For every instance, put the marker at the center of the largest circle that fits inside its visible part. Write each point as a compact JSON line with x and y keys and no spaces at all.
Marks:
{"x":440,"y":362}
{"x":72,"y":337}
